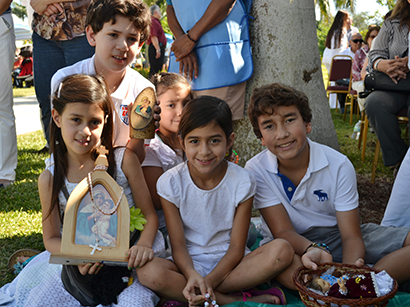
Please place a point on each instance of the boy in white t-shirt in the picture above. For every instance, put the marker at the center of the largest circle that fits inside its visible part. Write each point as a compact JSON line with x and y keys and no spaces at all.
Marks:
{"x":306,"y":192}
{"x":117,"y":30}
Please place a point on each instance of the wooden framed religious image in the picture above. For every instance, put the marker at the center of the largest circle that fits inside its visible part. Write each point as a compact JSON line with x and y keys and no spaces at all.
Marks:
{"x":141,"y":115}
{"x":96,"y":221}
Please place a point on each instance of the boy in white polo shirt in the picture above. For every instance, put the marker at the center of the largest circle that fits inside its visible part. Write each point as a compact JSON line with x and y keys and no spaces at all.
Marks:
{"x":117,"y":29}
{"x":306,"y":192}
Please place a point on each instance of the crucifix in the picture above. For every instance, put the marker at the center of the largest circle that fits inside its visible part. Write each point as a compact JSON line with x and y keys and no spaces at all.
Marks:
{"x":94,"y":247}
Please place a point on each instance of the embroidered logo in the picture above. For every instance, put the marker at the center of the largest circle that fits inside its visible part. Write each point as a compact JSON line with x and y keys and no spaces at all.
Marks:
{"x":321,"y":195}
{"x":124,"y":114}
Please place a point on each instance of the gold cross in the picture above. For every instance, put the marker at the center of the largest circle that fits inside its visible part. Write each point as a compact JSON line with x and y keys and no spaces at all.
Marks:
{"x":102,"y":151}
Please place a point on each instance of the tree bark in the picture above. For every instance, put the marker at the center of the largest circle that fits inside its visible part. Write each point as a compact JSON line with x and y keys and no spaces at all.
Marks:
{"x":285,"y":50}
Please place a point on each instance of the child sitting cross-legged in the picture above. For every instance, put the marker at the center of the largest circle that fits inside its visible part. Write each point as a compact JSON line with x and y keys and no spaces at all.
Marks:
{"x":207,"y":203}
{"x":306,"y":192}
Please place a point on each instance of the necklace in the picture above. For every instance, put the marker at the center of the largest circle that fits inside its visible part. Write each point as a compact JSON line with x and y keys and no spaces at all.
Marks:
{"x":90,"y":186}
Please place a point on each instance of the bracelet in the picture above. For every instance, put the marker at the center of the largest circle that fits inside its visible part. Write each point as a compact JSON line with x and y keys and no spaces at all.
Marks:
{"x":377,"y":63}
{"x":322,"y":246}
{"x":187,"y":34}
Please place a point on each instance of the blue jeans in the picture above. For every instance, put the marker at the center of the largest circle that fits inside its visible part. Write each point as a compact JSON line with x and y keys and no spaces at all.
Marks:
{"x":48,"y":57}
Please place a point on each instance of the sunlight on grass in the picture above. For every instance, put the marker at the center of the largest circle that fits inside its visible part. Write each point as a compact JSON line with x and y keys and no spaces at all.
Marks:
{"x":23,"y":92}
{"x":20,"y":223}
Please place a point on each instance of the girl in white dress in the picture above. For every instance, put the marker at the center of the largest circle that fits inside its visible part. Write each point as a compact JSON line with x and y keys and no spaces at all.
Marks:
{"x":81,"y":121}
{"x":207,"y":202}
{"x":164,"y":151}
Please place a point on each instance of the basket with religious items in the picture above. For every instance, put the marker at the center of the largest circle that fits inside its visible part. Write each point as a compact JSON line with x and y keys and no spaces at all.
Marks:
{"x":336,"y":284}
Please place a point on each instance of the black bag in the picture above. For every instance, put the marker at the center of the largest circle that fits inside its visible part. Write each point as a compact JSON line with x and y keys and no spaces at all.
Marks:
{"x":92,"y":290}
{"x":102,"y":288}
{"x":343,"y":82}
{"x":379,"y":81}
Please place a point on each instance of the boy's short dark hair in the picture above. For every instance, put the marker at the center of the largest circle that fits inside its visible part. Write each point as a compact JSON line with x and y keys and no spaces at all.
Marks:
{"x":103,"y":11}
{"x":265,"y":98}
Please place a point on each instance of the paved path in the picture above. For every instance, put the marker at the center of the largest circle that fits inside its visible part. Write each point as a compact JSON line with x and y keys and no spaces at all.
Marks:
{"x":27,"y":113}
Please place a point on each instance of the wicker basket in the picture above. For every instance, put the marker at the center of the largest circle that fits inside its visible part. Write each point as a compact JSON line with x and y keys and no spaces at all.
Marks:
{"x":310,"y":298}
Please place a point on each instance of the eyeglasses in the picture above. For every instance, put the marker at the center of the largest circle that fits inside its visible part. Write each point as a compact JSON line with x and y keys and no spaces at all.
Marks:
{"x":372,"y":36}
{"x":357,"y":41}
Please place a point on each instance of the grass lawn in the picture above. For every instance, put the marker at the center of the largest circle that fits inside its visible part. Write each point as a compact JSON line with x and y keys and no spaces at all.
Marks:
{"x":20,"y":213}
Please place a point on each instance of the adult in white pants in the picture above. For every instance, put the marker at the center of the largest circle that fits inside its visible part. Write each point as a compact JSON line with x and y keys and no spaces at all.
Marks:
{"x":8,"y":139}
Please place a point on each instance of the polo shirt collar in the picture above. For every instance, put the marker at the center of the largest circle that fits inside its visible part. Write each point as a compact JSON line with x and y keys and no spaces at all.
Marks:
{"x":317,"y":159}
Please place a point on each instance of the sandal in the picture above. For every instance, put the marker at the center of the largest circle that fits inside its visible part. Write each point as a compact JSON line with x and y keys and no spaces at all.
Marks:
{"x":275,"y":291}
{"x":16,"y":266}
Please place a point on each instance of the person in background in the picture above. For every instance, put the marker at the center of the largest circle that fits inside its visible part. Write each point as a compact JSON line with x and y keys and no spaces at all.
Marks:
{"x":58,"y":41}
{"x":360,"y":62}
{"x":212,"y":48}
{"x":336,"y":42}
{"x":389,"y":55}
{"x":156,"y":42}
{"x":8,"y":138}
{"x":355,"y":43}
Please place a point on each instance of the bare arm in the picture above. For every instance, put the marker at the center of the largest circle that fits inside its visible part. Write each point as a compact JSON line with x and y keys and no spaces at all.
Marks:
{"x":155,"y":42}
{"x":47,"y":7}
{"x":4,"y":5}
{"x":352,"y":241}
{"x":216,"y":12}
{"x":188,"y":66}
{"x":51,"y":224}
{"x":151,"y":174}
{"x":142,"y":252}
{"x":363,"y":72}
{"x":137,"y":147}
{"x":281,"y":226}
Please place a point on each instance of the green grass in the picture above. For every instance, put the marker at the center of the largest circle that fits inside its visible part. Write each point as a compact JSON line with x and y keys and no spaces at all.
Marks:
{"x":23,"y":92}
{"x":20,"y":213}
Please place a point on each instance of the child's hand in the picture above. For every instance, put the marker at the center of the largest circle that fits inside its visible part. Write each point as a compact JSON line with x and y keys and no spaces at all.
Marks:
{"x":138,"y":256}
{"x":359,"y":263}
{"x":196,"y":289}
{"x":315,"y":255}
{"x":90,"y":268}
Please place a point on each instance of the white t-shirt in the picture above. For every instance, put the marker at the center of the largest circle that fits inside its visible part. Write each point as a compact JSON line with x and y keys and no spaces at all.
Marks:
{"x":329,"y":185}
{"x":207,"y":215}
{"x":397,"y":212}
{"x":158,"y":154}
{"x":132,"y":84}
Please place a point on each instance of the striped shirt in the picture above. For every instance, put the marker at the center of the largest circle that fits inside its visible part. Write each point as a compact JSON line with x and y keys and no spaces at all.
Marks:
{"x":392,"y":40}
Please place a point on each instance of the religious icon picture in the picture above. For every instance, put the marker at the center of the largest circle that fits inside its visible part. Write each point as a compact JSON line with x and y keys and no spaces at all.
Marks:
{"x":96,"y":220}
{"x":141,"y":115}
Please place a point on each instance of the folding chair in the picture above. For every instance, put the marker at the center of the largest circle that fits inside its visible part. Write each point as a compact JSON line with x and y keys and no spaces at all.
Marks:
{"x":401,"y":117}
{"x":341,"y":68}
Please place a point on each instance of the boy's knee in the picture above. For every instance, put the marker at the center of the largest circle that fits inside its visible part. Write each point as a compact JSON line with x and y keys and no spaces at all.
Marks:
{"x":281,"y":252}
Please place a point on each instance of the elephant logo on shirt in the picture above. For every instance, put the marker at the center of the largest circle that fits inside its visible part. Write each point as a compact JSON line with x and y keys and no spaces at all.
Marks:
{"x":322,"y":195}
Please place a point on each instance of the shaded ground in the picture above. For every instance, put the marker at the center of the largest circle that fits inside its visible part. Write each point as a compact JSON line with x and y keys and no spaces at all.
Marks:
{"x":373,"y":198}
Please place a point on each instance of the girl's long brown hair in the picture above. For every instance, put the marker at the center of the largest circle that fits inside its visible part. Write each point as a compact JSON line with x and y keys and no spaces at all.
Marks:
{"x":336,"y":29}
{"x":401,"y":11}
{"x":163,"y":82}
{"x":86,"y":89}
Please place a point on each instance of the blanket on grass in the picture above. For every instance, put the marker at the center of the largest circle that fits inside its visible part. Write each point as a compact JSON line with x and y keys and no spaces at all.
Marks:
{"x":399,"y":300}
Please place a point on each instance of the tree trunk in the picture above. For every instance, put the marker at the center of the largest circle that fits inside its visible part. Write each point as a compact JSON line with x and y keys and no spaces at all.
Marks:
{"x":285,"y":50}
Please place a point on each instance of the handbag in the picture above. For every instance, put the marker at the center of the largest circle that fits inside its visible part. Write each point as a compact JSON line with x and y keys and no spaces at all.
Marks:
{"x":379,"y":81}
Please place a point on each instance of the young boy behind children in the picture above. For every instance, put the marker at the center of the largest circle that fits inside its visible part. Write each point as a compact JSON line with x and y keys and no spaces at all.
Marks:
{"x":306,"y":192}
{"x":117,"y":29}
